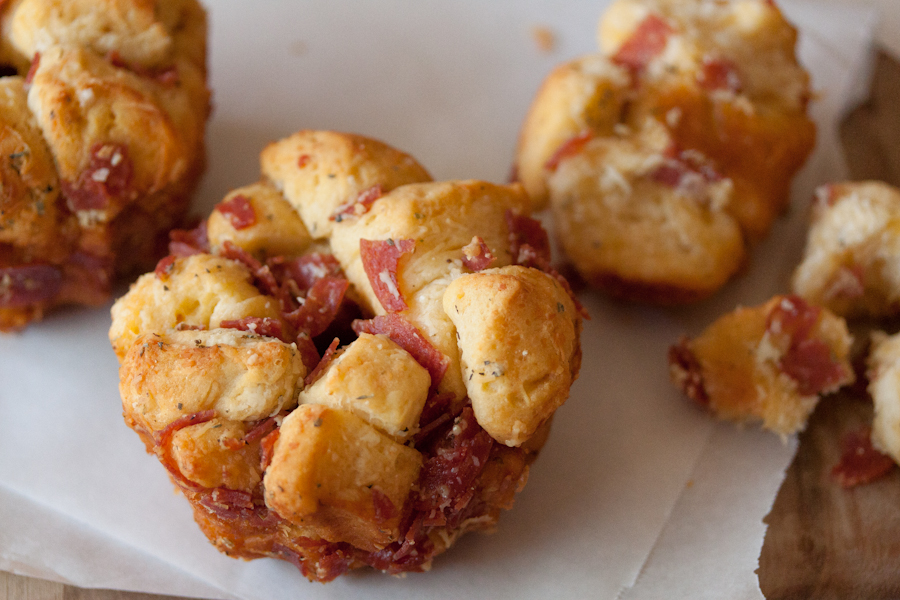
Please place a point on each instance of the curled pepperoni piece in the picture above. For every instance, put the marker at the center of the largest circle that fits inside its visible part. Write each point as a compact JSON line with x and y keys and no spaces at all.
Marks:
{"x":163,"y":439}
{"x":384,"y":508}
{"x":108,"y":177}
{"x":238,"y":211}
{"x":525,"y":231}
{"x":380,"y":259}
{"x":164,"y":267}
{"x":860,"y":462}
{"x":187,"y":242}
{"x":322,"y":364}
{"x":720,"y":74}
{"x":477,"y":256}
{"x":320,"y":307}
{"x":267,"y":449}
{"x":646,"y":43}
{"x":808,"y":360}
{"x":810,"y":363}
{"x":29,"y":284}
{"x":306,"y":270}
{"x":260,"y":326}
{"x":359,"y":206}
{"x":404,"y":334}
{"x":570,"y":147}
{"x":167,"y":76}
{"x":448,"y":475}
{"x":263,"y":278}
{"x":688,"y":372}
{"x":35,"y":63}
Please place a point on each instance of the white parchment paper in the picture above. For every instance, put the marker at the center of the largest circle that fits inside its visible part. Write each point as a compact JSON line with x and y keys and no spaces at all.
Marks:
{"x":637,"y":494}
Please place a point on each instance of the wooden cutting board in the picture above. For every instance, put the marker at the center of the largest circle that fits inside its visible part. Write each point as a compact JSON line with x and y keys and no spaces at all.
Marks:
{"x":823,"y":541}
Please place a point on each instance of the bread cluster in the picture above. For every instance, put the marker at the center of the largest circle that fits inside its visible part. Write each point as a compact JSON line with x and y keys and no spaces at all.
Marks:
{"x":665,"y":155}
{"x":102,"y":116}
{"x":349,"y":364}
{"x":772,"y":363}
{"x":851,"y":265}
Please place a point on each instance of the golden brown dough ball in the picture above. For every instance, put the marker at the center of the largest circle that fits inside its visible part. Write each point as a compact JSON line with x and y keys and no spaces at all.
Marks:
{"x":196,"y":291}
{"x":497,"y":312}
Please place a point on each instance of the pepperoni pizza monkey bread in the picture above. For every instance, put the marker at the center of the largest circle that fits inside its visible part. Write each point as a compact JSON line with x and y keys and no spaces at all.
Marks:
{"x":768,"y":363}
{"x":349,"y":364}
{"x":102,"y":118}
{"x":671,"y":150}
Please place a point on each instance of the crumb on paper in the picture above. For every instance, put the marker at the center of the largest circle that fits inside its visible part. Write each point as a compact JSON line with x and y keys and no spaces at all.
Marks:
{"x":689,"y":484}
{"x":544,"y":38}
{"x":298,"y":48}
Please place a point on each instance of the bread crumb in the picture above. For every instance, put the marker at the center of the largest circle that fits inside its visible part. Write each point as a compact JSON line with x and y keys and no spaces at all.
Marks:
{"x":544,"y":38}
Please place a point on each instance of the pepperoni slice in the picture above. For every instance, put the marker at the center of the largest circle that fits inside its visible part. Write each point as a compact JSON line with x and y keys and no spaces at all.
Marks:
{"x":860,"y":462}
{"x":108,"y":177}
{"x":646,"y":43}
{"x":323,"y":363}
{"x":263,"y":278}
{"x":523,"y":230}
{"x":239,"y":211}
{"x":380,"y":259}
{"x":359,"y":206}
{"x":35,"y":63}
{"x":808,"y":360}
{"x":164,"y":267}
{"x":27,"y":285}
{"x":720,"y":74}
{"x":187,"y":242}
{"x":307,"y":269}
{"x":477,"y":256}
{"x":260,"y":326}
{"x":570,"y":147}
{"x":320,"y":307}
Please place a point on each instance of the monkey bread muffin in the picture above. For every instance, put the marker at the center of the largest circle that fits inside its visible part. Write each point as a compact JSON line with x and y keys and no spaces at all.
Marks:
{"x":668,"y":153}
{"x":102,"y":115}
{"x":349,"y":364}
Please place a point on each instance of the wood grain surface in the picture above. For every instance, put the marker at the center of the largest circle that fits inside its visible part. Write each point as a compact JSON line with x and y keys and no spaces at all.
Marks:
{"x":823,"y":541}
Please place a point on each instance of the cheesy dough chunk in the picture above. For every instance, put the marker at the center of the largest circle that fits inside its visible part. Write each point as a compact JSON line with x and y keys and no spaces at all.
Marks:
{"x":198,"y":291}
{"x":219,"y":384}
{"x":770,"y":363}
{"x":338,"y":478}
{"x":240,"y":375}
{"x":518,"y":332}
{"x":258,"y":219}
{"x":376,"y":380}
{"x":325,"y":173}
